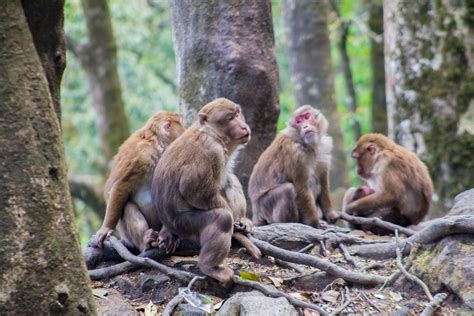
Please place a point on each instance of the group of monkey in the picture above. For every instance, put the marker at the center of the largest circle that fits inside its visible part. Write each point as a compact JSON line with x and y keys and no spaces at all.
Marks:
{"x":169,"y":183}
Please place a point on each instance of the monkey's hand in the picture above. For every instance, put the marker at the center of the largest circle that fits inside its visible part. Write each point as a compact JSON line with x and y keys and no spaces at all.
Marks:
{"x":151,"y":239}
{"x":332,"y":216}
{"x":168,"y":241}
{"x":103,"y":233}
{"x":244,"y":225}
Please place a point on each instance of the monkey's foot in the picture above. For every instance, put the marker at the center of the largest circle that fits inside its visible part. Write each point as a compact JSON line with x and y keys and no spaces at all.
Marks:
{"x":150,"y":239}
{"x":242,"y":227}
{"x":168,"y":241}
{"x":332,"y":217}
{"x":222,"y":274}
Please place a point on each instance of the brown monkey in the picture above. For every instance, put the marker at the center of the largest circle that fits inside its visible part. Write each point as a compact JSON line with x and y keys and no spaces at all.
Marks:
{"x":290,"y":182}
{"x":127,"y":190}
{"x":189,"y":188}
{"x":400,"y":187}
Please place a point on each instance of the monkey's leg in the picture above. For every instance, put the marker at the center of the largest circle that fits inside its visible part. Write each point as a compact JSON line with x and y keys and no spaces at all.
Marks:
{"x":279,"y":204}
{"x":134,"y":228}
{"x":213,"y":229}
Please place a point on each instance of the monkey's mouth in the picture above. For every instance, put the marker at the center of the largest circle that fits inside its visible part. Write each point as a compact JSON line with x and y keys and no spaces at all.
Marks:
{"x":361,"y":172}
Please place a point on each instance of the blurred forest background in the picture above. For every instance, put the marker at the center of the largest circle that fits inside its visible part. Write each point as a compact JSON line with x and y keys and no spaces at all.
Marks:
{"x":134,"y":40}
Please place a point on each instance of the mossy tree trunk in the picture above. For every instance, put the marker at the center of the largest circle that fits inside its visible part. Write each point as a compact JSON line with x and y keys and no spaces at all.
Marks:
{"x":312,"y":72}
{"x":429,"y":48}
{"x":41,"y":267}
{"x":379,"y":104}
{"x":98,"y":57}
{"x":226,"y":49}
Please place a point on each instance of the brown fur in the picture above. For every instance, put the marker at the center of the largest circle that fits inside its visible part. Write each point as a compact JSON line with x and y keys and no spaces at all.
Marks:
{"x":290,"y":182}
{"x":401,"y":181}
{"x":190,"y":182}
{"x":127,"y":190}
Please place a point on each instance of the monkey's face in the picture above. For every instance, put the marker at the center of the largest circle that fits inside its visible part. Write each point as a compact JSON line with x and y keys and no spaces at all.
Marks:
{"x":364,"y":153}
{"x":310,"y":123}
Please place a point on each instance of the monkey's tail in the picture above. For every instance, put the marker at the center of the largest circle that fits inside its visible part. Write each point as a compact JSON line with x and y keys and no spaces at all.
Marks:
{"x":248,"y":244}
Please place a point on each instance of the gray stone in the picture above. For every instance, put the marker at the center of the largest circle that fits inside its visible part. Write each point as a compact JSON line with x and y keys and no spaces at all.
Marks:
{"x":256,"y":304}
{"x":189,"y":310}
{"x":463,"y":204}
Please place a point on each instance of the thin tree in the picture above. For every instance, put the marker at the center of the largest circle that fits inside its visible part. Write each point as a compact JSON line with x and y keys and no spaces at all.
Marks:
{"x":226,"y":49}
{"x":41,"y":267}
{"x":312,"y":72}
{"x":429,"y":66}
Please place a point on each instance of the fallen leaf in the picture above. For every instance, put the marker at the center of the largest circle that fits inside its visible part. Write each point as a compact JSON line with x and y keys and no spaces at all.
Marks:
{"x":249,"y":276}
{"x":310,"y":312}
{"x":276,"y":281}
{"x":218,"y":305}
{"x":299,"y":296}
{"x":330,"y":296}
{"x":100,"y":293}
{"x":151,"y":309}
{"x":397,"y":297}
{"x":379,"y":296}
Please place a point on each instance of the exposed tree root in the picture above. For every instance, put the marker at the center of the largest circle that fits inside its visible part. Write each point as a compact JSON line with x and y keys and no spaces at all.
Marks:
{"x":434,"y":304}
{"x":377,"y":222}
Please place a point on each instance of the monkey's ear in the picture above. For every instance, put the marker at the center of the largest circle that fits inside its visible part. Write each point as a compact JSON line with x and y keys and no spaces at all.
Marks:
{"x":181,"y":119}
{"x":202,"y":118}
{"x":371,"y":149}
{"x":167,"y":125}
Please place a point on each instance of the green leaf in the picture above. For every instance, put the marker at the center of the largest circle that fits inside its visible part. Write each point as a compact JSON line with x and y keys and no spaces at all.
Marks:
{"x":249,"y":276}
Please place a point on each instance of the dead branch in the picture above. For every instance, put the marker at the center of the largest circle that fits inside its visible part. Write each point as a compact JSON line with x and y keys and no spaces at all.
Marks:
{"x":394,"y":277}
{"x":347,"y":256}
{"x":322,"y":264}
{"x":89,"y":190}
{"x":377,"y":222}
{"x":346,"y":304}
{"x":289,"y":265}
{"x":434,"y":304}
{"x":169,"y":308}
{"x":435,"y":229}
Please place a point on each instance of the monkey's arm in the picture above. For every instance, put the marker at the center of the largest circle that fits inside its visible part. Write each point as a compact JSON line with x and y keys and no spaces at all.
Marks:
{"x":369,"y":203}
{"x":307,"y":207}
{"x":324,"y":198}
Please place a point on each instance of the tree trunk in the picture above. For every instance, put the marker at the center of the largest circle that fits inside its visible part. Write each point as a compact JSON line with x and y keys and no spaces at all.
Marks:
{"x":45,"y":19}
{"x":226,"y":49}
{"x":379,"y":105}
{"x":430,"y":88}
{"x":41,"y":267}
{"x":312,"y":73}
{"x":98,"y":57}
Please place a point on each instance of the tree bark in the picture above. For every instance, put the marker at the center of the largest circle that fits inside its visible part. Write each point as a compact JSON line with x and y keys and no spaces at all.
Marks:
{"x":41,"y":267}
{"x":430,"y":88}
{"x":379,"y":104}
{"x":312,"y":73}
{"x":98,"y":57}
{"x":45,"y":19}
{"x":226,"y":49}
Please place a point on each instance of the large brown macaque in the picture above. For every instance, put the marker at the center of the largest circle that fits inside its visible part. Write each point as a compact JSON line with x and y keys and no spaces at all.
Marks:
{"x":194,"y":190}
{"x":127,"y":190}
{"x":290,"y":182}
{"x":399,"y":187}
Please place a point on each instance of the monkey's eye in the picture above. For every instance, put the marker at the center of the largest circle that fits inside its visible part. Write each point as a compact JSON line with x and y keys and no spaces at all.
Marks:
{"x":306,"y":117}
{"x":230,"y":117}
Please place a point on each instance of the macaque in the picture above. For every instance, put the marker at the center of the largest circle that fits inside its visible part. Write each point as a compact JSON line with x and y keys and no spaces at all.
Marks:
{"x":290,"y":181}
{"x":399,"y":187}
{"x":127,"y":190}
{"x":194,"y":190}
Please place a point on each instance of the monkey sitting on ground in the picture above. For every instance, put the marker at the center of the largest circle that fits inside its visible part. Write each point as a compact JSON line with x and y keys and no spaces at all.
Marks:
{"x":193,"y":184}
{"x":399,"y":185}
{"x":127,"y":190}
{"x":290,"y":181}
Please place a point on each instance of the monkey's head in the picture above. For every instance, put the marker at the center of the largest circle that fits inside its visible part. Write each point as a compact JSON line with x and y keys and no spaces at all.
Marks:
{"x":309,"y":123}
{"x":367,"y":150}
{"x":167,"y":124}
{"x":225,"y":118}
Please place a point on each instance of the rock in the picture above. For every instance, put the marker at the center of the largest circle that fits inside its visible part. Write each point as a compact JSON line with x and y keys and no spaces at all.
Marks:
{"x":115,"y":304}
{"x":256,"y":304}
{"x":313,"y":282}
{"x":449,"y":264}
{"x":463,"y":204}
{"x":189,"y":310}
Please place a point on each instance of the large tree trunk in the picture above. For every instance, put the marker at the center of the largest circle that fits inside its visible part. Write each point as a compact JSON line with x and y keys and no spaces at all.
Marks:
{"x":41,"y":267}
{"x":98,"y":57}
{"x":379,"y":105}
{"x":312,"y":73}
{"x":226,"y":49}
{"x":429,"y":62}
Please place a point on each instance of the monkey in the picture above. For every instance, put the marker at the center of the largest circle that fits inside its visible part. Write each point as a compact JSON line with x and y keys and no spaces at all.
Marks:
{"x":290,"y":181}
{"x":127,"y":190}
{"x":189,"y":188}
{"x":399,"y":187}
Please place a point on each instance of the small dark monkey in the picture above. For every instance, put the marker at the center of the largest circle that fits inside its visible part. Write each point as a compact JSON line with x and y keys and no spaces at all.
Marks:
{"x":193,"y":187}
{"x":290,"y":182}
{"x":127,"y":190}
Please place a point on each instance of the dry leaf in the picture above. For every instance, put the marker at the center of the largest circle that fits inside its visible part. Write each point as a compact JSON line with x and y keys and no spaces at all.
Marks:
{"x":100,"y":293}
{"x":310,"y":312}
{"x":397,"y":297}
{"x":276,"y":281}
{"x":330,"y":296}
{"x":151,"y":309}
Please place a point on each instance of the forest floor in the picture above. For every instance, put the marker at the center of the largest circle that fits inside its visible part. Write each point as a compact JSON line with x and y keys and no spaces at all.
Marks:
{"x":147,"y":291}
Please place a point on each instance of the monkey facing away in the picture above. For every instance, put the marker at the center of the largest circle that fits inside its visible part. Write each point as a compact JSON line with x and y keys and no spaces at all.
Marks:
{"x":290,"y":181}
{"x":193,"y":184}
{"x":399,"y":187}
{"x":127,"y":190}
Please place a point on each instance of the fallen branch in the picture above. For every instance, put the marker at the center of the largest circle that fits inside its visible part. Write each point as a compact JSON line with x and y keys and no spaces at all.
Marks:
{"x":435,"y":230}
{"x":347,"y":256}
{"x":175,"y":301}
{"x":434,"y":304}
{"x":322,"y":264}
{"x":338,"y":310}
{"x":394,"y":277}
{"x":377,"y":222}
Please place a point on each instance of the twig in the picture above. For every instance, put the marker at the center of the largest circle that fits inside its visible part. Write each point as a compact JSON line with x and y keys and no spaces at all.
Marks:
{"x":346,"y":304}
{"x":348,"y":257}
{"x":175,"y":301}
{"x":289,"y":265}
{"x":276,"y":293}
{"x":306,"y":248}
{"x":394,"y":276}
{"x":409,"y":276}
{"x":322,"y":249}
{"x":375,"y":221}
{"x":434,"y":304}
{"x":322,"y":264}
{"x":364,"y":296}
